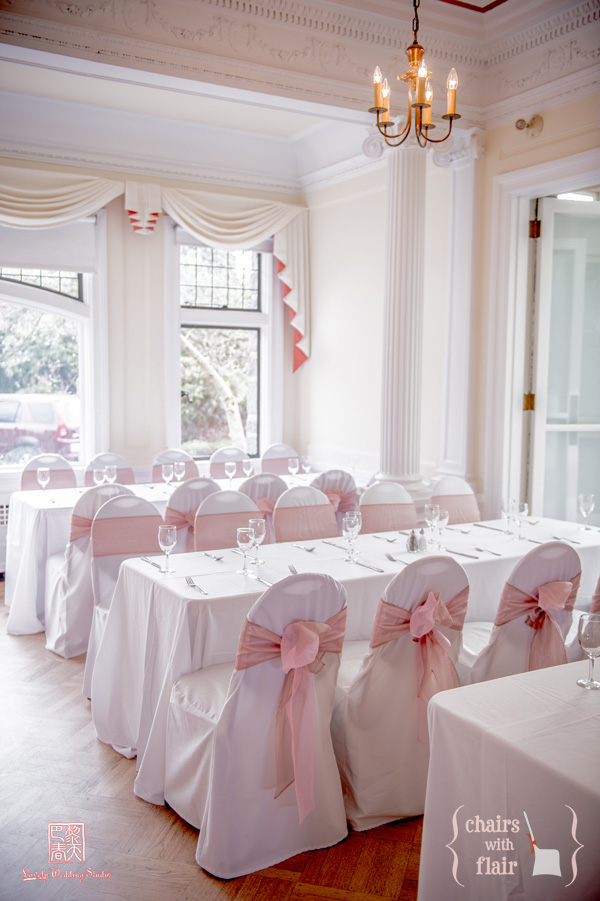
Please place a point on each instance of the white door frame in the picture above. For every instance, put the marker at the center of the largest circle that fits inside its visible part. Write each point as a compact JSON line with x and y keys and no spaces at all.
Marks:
{"x":511,"y":195}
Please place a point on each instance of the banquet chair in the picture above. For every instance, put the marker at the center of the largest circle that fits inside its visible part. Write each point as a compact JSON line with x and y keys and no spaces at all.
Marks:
{"x":218,"y":518}
{"x":533,"y":619}
{"x":386,"y":507}
{"x":69,"y":600}
{"x":216,"y":464}
{"x":572,"y":645}
{"x":173,"y":455}
{"x":303,"y":513}
{"x":255,"y":805}
{"x":340,"y":488}
{"x":62,"y":474}
{"x":379,"y":723}
{"x":181,"y":510}
{"x":264,"y":489}
{"x":275,"y":459}
{"x":125,"y":474}
{"x":123,"y":527}
{"x":457,"y":497}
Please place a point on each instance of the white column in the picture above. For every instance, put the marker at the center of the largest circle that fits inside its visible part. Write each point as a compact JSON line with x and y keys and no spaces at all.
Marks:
{"x":403,"y":321}
{"x":457,"y":423}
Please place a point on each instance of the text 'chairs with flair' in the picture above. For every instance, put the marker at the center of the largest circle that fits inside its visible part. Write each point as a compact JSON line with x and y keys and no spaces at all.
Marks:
{"x":62,"y":474}
{"x":387,"y":507}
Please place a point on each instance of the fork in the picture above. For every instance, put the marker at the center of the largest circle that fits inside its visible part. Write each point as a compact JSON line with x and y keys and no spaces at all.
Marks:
{"x":396,"y":560}
{"x":302,"y":548}
{"x":458,"y":529}
{"x":383,"y":538}
{"x":212,"y":556}
{"x":192,"y":584}
{"x":292,"y":569}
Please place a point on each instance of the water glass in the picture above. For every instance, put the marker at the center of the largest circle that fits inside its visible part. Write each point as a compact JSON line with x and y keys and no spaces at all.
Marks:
{"x":259,"y":527}
{"x":230,"y":470}
{"x":306,"y":463}
{"x":589,"y":639}
{"x":167,"y":539}
{"x":179,"y":471}
{"x":98,"y":476}
{"x":245,"y":540}
{"x":431,"y":512}
{"x":293,"y":465}
{"x":442,"y":522}
{"x":506,"y":512}
{"x":351,"y":525}
{"x":167,"y":472}
{"x":586,"y":504}
{"x":110,"y":474}
{"x":521,"y":514}
{"x":43,"y":477}
{"x":248,"y":467}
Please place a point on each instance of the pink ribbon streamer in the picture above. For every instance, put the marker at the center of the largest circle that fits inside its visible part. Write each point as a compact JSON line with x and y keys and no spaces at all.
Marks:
{"x":342,"y":503}
{"x":181,"y":521}
{"x":125,"y":535}
{"x":304,"y":523}
{"x":548,"y":645}
{"x":388,"y":517}
{"x":213,"y":531}
{"x":302,"y":647}
{"x":80,"y":527}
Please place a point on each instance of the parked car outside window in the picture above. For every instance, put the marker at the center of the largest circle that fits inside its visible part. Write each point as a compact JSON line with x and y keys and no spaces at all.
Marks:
{"x":32,"y":424}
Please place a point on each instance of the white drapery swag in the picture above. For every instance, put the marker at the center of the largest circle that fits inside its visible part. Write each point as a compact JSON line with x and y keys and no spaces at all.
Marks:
{"x":36,"y":198}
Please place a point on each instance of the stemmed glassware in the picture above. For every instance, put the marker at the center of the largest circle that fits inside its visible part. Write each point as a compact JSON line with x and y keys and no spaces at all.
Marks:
{"x":589,"y":639}
{"x":245,"y":540}
{"x":521,"y":514}
{"x":230,"y":471}
{"x":432,"y":513}
{"x":260,"y":530}
{"x":293,"y":465}
{"x":507,"y":512}
{"x":167,"y":539}
{"x":167,"y":472}
{"x":43,"y":477}
{"x":306,"y":463}
{"x":351,"y":525}
{"x":442,"y":522}
{"x":248,"y":467}
{"x":110,"y":474}
{"x":179,"y":471}
{"x":586,"y":505}
{"x":98,"y":476}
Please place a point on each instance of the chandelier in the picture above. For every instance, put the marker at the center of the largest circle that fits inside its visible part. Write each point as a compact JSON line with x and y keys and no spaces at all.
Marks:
{"x":419,"y":87}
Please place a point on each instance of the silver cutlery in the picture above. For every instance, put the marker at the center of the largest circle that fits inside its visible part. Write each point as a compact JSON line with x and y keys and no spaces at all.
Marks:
{"x":235,"y":551}
{"x":151,"y":562}
{"x":533,"y":522}
{"x":533,"y":541}
{"x":368,"y":566}
{"x":333,"y":544}
{"x":396,"y":559}
{"x":571,"y":540}
{"x":192,"y":584}
{"x":383,"y":538}
{"x":488,"y":551}
{"x":292,"y":569}
{"x":303,"y":548}
{"x":258,"y":579}
{"x":212,"y":556}
{"x":462,"y":554}
{"x":493,"y":528}
{"x":458,"y":529}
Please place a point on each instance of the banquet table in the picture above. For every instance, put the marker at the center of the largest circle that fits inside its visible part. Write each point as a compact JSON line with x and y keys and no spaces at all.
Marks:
{"x":524,"y":744}
{"x":38,"y":526}
{"x":159,"y":629}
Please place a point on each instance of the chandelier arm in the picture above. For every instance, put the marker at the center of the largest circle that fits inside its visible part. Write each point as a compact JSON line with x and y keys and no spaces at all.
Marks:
{"x":405,"y":130}
{"x":397,"y":143}
{"x":429,"y":140}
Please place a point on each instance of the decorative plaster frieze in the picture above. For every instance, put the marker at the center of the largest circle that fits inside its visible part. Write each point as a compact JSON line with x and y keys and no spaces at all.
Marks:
{"x":463,"y":145}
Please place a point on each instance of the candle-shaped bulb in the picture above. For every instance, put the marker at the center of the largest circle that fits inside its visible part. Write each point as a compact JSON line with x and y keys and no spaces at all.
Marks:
{"x":377,"y":75}
{"x":386,"y":88}
{"x":452,"y":83}
{"x":421,"y":80}
{"x":427,"y":109}
{"x":422,"y":73}
{"x":385,"y":93}
{"x":377,"y":87}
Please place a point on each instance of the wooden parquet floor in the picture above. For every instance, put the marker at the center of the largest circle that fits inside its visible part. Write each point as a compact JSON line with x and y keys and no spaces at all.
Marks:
{"x":54,"y":769}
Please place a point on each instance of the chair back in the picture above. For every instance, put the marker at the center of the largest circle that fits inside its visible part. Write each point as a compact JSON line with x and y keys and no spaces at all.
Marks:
{"x":275,"y":459}
{"x":303,"y":513}
{"x":218,"y":518}
{"x":174,"y":455}
{"x":62,"y":474}
{"x":387,"y":507}
{"x":264,"y":488}
{"x":340,"y":488}
{"x":125,"y":474}
{"x":216,"y":465}
{"x":595,"y":605}
{"x":457,"y":497}
{"x":181,"y":510}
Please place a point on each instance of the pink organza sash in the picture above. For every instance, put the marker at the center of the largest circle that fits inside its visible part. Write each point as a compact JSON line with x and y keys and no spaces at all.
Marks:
{"x":265,"y":505}
{"x":461,"y":507}
{"x":342,"y":503}
{"x":278,"y":465}
{"x":302,"y":523}
{"x":59,"y":478}
{"x":124,"y":476}
{"x":595,"y":605}
{"x":387,"y":517}
{"x":125,"y":535}
{"x":548,"y":645}
{"x":218,"y":530}
{"x":181,"y":521}
{"x":302,"y":648}
{"x":80,"y":527}
{"x":191,"y":471}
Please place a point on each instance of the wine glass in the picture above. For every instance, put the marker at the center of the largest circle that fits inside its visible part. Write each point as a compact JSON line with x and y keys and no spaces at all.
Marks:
{"x":43,"y":477}
{"x":293,"y":465}
{"x":521,"y":514}
{"x":179,"y":471}
{"x":245,"y":540}
{"x":351,"y":524}
{"x":442,"y":522}
{"x":248,"y":467}
{"x":306,"y":463}
{"x":260,"y":530}
{"x":506,"y":512}
{"x":98,"y":476}
{"x":432,"y":512}
{"x":586,"y":505}
{"x":167,"y":472}
{"x":230,"y":470}
{"x":110,"y":474}
{"x":167,"y":539}
{"x":589,"y":639}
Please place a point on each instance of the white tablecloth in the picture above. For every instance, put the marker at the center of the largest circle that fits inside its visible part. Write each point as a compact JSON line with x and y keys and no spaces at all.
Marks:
{"x":38,"y":526}
{"x":159,"y":629}
{"x":526,"y":743}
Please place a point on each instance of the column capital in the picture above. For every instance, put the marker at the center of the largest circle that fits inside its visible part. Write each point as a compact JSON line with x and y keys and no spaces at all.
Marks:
{"x":463,"y":145}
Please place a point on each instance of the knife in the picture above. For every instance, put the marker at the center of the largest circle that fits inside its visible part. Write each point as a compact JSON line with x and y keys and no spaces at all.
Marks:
{"x":258,"y":579}
{"x":151,"y":562}
{"x":493,"y":528}
{"x":571,"y":540}
{"x":462,"y":554}
{"x":338,"y":546}
{"x":368,"y":566}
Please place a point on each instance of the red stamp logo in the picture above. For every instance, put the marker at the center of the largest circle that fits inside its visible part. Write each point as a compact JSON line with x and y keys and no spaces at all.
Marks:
{"x":66,"y":842}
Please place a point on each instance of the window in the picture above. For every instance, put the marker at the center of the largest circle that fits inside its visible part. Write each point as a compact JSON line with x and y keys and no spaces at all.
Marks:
{"x":227,"y":346}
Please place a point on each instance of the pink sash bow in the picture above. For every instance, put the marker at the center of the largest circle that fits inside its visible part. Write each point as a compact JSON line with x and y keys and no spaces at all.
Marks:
{"x":180,"y":521}
{"x":595,"y":605}
{"x":548,"y":644}
{"x":80,"y":527}
{"x":302,"y":647}
{"x":342,"y":503}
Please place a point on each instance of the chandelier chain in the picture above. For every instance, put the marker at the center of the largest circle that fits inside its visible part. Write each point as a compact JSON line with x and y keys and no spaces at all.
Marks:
{"x":415,"y":24}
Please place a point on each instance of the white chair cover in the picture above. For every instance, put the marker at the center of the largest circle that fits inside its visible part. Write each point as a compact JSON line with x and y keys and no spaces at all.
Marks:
{"x":129,"y":524}
{"x":303,"y":513}
{"x":182,"y":507}
{"x":218,"y":518}
{"x":510,"y":644}
{"x":386,"y":507}
{"x":264,"y":489}
{"x":69,"y":600}
{"x":340,"y":488}
{"x":216,"y":464}
{"x":125,"y":475}
{"x":574,"y":651}
{"x":457,"y":497}
{"x":379,"y":724}
{"x":220,"y":761}
{"x":62,"y":474}
{"x":275,"y":458}
{"x":174,"y":455}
